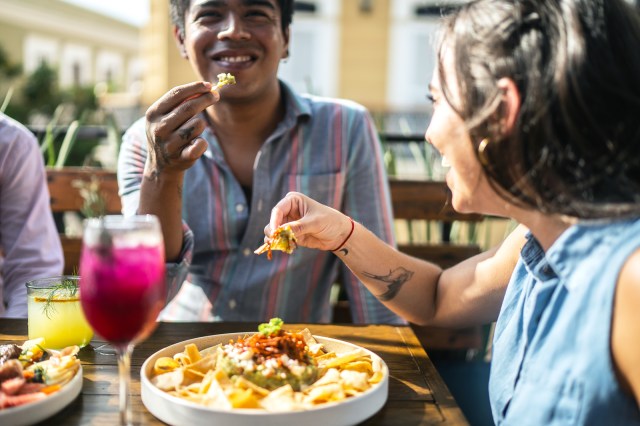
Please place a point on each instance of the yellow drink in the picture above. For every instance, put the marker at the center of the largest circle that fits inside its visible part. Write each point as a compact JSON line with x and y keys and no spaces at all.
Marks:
{"x":55,"y":313}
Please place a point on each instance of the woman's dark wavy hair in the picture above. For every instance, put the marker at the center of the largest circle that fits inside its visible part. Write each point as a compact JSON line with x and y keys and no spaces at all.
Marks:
{"x":575,"y":148}
{"x":178,"y":8}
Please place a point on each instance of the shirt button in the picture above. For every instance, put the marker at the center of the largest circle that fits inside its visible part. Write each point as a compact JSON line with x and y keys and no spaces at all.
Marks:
{"x":239,"y":208}
{"x":247,"y":252}
{"x":232,"y":304}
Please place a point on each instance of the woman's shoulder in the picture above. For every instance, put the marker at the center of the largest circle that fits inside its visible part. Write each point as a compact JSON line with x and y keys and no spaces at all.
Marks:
{"x":625,"y":328}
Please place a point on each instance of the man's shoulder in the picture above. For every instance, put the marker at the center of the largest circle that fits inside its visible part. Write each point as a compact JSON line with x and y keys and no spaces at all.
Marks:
{"x":137,"y":126}
{"x":135,"y":133}
{"x":316,"y":102}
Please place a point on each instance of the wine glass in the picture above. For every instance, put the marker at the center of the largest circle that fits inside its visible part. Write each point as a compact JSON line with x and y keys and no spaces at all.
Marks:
{"x":122,"y":286}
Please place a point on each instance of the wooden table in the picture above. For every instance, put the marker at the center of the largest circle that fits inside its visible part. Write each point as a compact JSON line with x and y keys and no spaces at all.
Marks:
{"x":417,"y":394}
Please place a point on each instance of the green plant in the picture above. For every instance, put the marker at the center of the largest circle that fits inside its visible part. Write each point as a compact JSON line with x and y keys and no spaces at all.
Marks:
{"x":8,"y":71}
{"x":41,"y":90}
{"x":7,"y":99}
{"x":94,"y":204}
{"x":69,"y":140}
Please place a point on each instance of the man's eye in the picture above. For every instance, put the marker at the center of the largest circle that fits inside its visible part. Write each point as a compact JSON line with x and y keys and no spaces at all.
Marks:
{"x":258,"y":14}
{"x":430,"y":98}
{"x":208,"y":15}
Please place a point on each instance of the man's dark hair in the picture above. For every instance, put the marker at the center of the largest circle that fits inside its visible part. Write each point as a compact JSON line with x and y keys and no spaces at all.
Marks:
{"x":178,"y":8}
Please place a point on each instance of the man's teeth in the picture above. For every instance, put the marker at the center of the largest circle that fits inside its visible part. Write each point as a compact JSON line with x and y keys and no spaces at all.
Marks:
{"x":235,"y":58}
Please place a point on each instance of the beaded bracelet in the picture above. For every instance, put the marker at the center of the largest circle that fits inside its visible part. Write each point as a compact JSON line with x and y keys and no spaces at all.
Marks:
{"x":353,"y":226}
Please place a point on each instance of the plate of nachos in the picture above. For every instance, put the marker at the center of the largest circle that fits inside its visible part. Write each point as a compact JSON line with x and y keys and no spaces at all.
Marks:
{"x":270,"y":377}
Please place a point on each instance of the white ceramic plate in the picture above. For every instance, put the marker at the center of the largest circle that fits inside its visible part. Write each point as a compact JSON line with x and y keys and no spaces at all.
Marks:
{"x":35,"y":412}
{"x":176,"y":411}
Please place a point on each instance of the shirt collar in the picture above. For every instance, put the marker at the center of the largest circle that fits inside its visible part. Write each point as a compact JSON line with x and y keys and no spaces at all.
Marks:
{"x":297,"y":108}
{"x":571,"y":248}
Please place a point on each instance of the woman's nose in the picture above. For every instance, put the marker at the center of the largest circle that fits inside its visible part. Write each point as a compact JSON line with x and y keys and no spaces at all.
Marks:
{"x":233,"y":28}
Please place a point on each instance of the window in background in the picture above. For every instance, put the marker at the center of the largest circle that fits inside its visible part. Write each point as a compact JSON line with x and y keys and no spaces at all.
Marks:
{"x":411,"y":55}
{"x":75,"y":65}
{"x":110,"y":69}
{"x":313,"y":62}
{"x":39,"y":49}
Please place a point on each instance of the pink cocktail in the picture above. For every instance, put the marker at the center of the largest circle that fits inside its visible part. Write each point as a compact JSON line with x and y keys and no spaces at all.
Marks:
{"x":122,"y":286}
{"x":122,"y":294}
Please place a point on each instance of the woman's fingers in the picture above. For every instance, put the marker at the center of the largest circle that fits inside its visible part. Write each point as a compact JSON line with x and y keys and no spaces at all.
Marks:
{"x":285,"y":211}
{"x":314,"y":224}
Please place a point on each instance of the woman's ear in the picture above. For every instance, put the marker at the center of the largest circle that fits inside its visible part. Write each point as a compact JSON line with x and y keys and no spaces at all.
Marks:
{"x":510,"y":103}
{"x":178,"y":36}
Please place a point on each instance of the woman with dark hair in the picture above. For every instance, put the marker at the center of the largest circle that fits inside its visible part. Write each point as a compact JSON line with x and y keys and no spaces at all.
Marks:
{"x":537,"y":109}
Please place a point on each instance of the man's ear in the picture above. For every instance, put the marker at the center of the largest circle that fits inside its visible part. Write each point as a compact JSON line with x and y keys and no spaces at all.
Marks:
{"x":178,"y":36}
{"x":510,"y":104}
{"x":287,"y":34}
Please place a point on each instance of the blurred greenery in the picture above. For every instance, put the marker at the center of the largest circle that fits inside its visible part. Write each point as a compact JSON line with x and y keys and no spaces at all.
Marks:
{"x":36,"y":100}
{"x":40,"y":94}
{"x":7,"y":68}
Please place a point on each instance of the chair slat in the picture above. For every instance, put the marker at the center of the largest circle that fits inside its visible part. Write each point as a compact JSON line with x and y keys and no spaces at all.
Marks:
{"x":65,"y":197}
{"x":425,"y":200}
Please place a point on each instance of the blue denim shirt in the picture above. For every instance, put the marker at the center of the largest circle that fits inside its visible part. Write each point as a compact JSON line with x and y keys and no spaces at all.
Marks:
{"x":552,"y":361}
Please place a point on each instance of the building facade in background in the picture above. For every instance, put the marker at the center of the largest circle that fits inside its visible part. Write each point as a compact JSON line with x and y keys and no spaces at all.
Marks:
{"x":84,"y":47}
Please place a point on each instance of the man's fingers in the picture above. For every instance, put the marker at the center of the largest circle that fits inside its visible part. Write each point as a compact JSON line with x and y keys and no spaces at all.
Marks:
{"x":193,"y":151}
{"x":180,"y":94}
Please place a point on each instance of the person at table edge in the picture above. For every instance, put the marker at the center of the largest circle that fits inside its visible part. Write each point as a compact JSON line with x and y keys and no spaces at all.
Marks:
{"x":29,"y":243}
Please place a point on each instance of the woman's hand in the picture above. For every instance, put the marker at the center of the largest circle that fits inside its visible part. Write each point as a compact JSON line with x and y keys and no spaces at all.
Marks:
{"x":174,"y":125}
{"x":314,"y":225}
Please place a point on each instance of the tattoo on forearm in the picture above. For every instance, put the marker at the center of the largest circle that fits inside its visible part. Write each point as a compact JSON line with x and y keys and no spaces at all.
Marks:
{"x":395,"y":280}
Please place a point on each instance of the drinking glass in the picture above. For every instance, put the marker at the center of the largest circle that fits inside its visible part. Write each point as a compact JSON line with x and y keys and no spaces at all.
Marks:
{"x":54,"y":312}
{"x":122,"y":286}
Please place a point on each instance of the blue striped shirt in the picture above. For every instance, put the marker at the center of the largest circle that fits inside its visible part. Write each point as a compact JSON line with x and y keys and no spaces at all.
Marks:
{"x":327,"y":149}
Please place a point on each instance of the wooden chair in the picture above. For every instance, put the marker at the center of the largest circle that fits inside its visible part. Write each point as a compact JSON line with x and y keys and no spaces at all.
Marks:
{"x":430,"y":201}
{"x":65,"y":192}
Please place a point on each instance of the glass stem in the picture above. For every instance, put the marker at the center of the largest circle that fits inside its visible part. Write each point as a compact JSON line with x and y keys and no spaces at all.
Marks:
{"x":124,"y":371}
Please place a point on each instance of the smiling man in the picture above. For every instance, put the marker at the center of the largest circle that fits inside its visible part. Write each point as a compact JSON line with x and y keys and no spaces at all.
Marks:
{"x":211,"y":164}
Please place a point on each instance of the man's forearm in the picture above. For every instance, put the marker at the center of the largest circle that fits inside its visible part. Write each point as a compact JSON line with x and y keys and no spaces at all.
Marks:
{"x":161,"y":195}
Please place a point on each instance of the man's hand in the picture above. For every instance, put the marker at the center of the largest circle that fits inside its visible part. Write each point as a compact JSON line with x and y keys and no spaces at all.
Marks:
{"x":173,"y":127}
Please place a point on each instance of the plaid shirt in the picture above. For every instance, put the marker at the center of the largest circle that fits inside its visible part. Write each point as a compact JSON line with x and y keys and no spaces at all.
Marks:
{"x":326,"y":149}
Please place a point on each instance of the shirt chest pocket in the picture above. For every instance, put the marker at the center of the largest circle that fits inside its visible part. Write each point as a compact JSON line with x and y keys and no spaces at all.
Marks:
{"x":326,"y":188}
{"x":539,"y":402}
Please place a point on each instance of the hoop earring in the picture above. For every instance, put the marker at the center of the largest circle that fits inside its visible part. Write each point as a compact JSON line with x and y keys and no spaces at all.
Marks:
{"x":481,"y":152}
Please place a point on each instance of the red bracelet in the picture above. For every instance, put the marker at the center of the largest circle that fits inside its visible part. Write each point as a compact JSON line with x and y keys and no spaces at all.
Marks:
{"x":353,"y":226}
